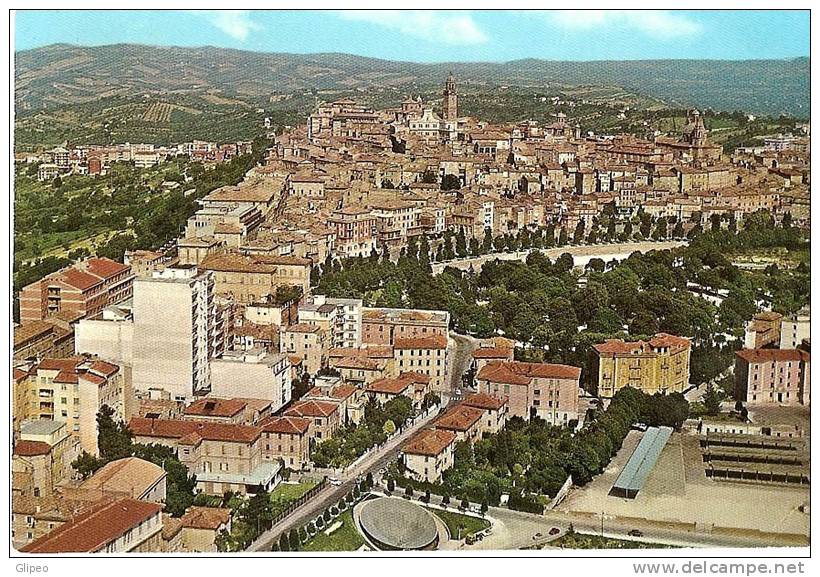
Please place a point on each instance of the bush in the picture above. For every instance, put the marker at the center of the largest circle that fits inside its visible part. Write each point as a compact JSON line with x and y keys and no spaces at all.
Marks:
{"x":391,"y":485}
{"x":334,"y":511}
{"x":320,"y":522}
{"x":519,"y":502}
{"x":409,"y":491}
{"x":465,"y":504}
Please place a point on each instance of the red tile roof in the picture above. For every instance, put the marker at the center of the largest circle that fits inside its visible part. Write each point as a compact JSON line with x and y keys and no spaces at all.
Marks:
{"x":518,"y":373}
{"x":105,"y":267}
{"x":397,"y":385}
{"x":431,"y":342}
{"x":429,"y":442}
{"x":773,"y":355}
{"x":94,"y":529}
{"x":191,"y":431}
{"x":31,"y":448}
{"x":660,"y":340}
{"x":311,"y":408}
{"x":459,"y":418}
{"x":485,"y":401}
{"x":78,"y":279}
{"x":210,"y":407}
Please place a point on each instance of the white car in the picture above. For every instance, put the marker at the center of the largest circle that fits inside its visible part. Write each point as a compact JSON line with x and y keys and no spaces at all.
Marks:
{"x":334,"y":481}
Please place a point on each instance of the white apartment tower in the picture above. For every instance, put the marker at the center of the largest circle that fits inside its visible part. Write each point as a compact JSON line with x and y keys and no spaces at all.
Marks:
{"x":177,"y":330}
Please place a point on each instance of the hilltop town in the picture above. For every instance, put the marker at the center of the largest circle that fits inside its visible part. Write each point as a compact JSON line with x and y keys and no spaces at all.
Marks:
{"x":513,"y":326}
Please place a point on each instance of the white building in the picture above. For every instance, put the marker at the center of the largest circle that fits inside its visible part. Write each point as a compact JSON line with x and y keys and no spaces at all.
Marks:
{"x":342,"y":318}
{"x":254,"y":374}
{"x":795,"y":328}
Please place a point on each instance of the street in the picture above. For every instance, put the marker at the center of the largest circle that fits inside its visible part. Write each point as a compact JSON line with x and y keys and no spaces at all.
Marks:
{"x":331,"y":494}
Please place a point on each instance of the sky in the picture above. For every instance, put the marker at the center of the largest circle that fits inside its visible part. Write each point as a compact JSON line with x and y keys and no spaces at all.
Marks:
{"x":439,"y":36}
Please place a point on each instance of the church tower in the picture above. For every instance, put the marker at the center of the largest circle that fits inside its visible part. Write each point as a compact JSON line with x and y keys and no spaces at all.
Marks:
{"x":450,"y":104}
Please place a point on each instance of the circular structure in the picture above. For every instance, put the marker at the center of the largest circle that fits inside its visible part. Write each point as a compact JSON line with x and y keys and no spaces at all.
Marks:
{"x":394,"y":524}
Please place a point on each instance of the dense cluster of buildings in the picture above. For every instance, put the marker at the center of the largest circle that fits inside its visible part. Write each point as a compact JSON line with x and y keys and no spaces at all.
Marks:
{"x":199,"y":349}
{"x":96,"y":160}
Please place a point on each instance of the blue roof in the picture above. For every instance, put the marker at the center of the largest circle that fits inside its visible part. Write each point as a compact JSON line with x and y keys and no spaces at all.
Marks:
{"x":643,"y":458}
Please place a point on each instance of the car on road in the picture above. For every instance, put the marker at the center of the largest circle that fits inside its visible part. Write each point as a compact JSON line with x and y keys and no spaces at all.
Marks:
{"x":635,"y":533}
{"x":334,"y":481}
{"x":555,"y":531}
{"x":640,"y":427}
{"x":537,"y":536}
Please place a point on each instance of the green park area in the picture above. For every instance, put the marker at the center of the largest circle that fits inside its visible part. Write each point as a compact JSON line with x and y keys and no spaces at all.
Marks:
{"x":343,"y":538}
{"x":460,"y":526}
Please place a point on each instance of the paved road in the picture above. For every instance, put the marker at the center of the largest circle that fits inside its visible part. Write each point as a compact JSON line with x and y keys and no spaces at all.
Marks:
{"x":331,"y":494}
{"x":460,"y":358}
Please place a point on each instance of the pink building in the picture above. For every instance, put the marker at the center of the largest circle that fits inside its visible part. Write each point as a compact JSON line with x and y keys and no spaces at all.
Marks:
{"x":773,"y":376}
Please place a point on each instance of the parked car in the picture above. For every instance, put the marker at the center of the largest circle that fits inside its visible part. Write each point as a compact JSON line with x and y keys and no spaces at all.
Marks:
{"x":635,"y":533}
{"x":555,"y":531}
{"x":537,"y":536}
{"x":334,"y":481}
{"x":640,"y":426}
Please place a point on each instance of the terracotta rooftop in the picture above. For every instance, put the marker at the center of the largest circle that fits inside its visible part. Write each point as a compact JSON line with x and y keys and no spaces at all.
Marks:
{"x":431,"y":342}
{"x":773,"y":355}
{"x":31,"y":329}
{"x":429,"y":442}
{"x":459,"y":418}
{"x":397,"y":385}
{"x":131,"y":476}
{"x":213,"y":407}
{"x":485,"y":401}
{"x":191,"y":430}
{"x":310,"y":408}
{"x":93,"y":530}
{"x":518,"y":373}
{"x":660,"y":340}
{"x":31,"y":448}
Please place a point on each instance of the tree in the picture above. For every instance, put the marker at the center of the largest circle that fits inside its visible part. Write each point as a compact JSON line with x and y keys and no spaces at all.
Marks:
{"x":465,"y":504}
{"x":562,"y":236}
{"x":461,"y":243}
{"x":408,"y":490}
{"x":113,"y":437}
{"x":293,"y":540}
{"x":389,"y":427}
{"x":484,"y":507}
{"x":487,"y":243}
{"x":86,"y":464}
{"x":429,"y":177}
{"x":578,"y":237}
{"x":284,"y":543}
{"x":450,"y":182}
{"x":711,"y":399}
{"x":391,"y":485}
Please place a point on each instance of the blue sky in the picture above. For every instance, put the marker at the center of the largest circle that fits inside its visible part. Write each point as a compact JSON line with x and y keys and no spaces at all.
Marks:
{"x":436,"y":36}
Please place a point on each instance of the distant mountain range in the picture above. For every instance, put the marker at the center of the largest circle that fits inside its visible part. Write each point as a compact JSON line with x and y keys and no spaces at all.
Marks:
{"x":65,"y":74}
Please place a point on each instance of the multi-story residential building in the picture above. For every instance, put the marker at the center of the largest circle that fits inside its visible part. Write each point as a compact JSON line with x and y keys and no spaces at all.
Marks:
{"x":343,"y":322}
{"x":428,"y":453}
{"x":773,"y":376}
{"x":763,"y":330}
{"x":464,"y":421}
{"x":178,"y":328}
{"x":50,"y":338}
{"x":795,"y":328}
{"x":254,"y":374}
{"x":42,"y":455}
{"x":325,"y":417}
{"x":308,"y":342}
{"x":84,"y":288}
{"x":217,"y":410}
{"x":120,"y":526}
{"x":412,"y":385}
{"x":72,"y":390}
{"x":287,"y":438}
{"x":660,"y":365}
{"x":425,"y":355}
{"x":356,"y":231}
{"x":254,"y":278}
{"x":381,"y":326}
{"x":548,"y":391}
{"x":223,"y":456}
{"x":495,"y":411}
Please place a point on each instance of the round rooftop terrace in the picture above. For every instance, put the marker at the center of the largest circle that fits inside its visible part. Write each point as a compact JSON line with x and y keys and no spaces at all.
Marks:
{"x":395,"y":524}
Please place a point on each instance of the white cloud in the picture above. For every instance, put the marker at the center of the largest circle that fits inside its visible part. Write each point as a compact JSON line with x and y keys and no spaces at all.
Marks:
{"x":433,"y":26}
{"x":234,"y":23}
{"x":660,"y":24}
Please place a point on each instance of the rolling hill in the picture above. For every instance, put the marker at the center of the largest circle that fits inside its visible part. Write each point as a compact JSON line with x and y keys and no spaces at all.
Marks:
{"x":59,"y":75}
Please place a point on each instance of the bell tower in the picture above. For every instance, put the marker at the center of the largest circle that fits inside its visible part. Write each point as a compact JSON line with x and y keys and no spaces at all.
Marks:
{"x":450,"y":104}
